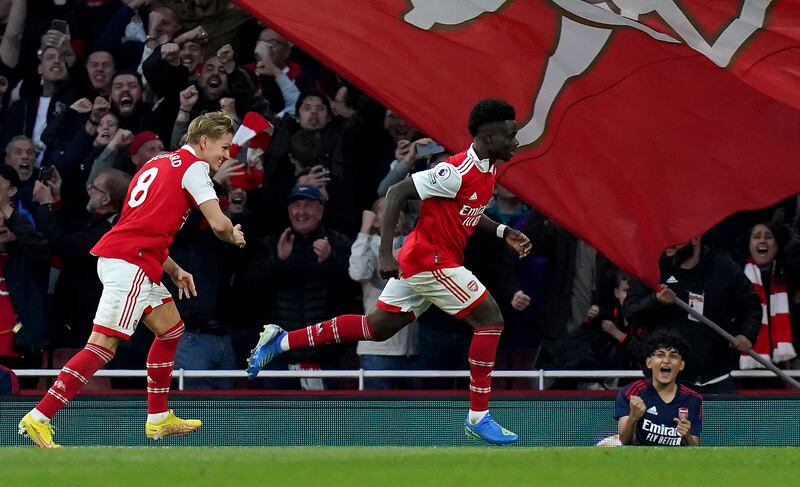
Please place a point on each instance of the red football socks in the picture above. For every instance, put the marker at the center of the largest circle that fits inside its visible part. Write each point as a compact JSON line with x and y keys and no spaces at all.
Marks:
{"x":345,"y":328}
{"x":482,"y":351}
{"x":77,"y":372}
{"x":160,"y":361}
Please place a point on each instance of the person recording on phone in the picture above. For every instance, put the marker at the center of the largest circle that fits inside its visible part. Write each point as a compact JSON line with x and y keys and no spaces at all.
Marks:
{"x":657,"y":411}
{"x":311,"y":166}
{"x":44,"y":98}
{"x":411,"y":157}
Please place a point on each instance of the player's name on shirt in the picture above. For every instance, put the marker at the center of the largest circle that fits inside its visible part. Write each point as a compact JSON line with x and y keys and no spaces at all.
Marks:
{"x":659,"y":434}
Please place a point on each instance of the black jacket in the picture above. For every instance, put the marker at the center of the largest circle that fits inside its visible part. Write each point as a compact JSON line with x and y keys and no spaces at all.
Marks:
{"x":21,"y":118}
{"x":301,"y":291}
{"x":78,"y":288}
{"x":26,"y":271}
{"x":728,"y":300}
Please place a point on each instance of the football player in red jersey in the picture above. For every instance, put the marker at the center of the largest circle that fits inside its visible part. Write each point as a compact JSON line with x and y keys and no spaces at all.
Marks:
{"x":430,"y":270}
{"x":133,"y":257}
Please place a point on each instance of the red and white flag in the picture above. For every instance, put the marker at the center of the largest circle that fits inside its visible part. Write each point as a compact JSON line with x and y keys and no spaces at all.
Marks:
{"x":643,"y":123}
{"x":256,"y":132}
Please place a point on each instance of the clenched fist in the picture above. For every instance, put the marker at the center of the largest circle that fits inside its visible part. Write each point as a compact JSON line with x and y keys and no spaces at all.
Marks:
{"x":637,"y":408}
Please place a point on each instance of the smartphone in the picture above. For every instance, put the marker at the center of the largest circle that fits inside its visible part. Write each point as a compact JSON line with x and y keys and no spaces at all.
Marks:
{"x":45,"y":174}
{"x":429,"y":148}
{"x":60,"y":25}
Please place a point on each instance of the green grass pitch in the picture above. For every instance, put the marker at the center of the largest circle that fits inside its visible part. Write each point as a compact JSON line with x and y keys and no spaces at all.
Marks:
{"x":383,"y":466}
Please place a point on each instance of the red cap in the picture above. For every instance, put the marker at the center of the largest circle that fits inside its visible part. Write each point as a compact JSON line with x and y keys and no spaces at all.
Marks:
{"x":141,"y":139}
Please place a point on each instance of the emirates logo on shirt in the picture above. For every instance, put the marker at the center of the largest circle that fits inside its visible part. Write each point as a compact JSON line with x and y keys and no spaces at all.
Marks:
{"x":473,"y":215}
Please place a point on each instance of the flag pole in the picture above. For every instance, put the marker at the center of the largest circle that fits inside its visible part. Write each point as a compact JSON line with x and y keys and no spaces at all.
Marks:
{"x":766,"y":363}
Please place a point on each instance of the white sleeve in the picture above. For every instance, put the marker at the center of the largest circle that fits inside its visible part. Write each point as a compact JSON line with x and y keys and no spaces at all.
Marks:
{"x":198,"y":183}
{"x":442,"y":181}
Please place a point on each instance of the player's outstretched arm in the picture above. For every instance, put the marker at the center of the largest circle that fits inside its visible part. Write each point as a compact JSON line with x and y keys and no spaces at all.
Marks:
{"x":221,"y":224}
{"x":513,"y":238}
{"x":396,"y":199}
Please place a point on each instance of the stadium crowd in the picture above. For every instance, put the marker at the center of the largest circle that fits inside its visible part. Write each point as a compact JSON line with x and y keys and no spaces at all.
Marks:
{"x":91,"y":90}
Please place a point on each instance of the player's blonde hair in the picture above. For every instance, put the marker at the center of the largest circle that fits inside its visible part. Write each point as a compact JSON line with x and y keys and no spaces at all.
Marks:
{"x":211,"y":124}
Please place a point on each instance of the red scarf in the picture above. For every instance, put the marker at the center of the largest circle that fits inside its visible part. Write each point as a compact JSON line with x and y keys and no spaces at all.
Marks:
{"x":775,"y":322}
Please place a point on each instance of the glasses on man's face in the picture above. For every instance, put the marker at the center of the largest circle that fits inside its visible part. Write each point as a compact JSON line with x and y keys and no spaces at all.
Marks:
{"x":93,"y":187}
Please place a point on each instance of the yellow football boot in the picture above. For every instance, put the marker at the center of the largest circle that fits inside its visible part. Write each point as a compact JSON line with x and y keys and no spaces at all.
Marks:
{"x":171,"y":425}
{"x":40,"y":433}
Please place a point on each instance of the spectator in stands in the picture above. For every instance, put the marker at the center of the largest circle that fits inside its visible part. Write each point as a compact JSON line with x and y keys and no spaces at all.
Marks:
{"x":313,"y":113}
{"x":133,"y":32}
{"x":173,"y":65}
{"x":222,"y":20}
{"x":657,"y":411}
{"x":345,"y":101}
{"x":206,"y":343}
{"x":279,"y":50}
{"x":114,"y":155}
{"x":77,"y":290}
{"x":575,"y":278}
{"x":10,"y":53}
{"x":21,"y":155}
{"x":400,"y":351}
{"x":406,"y":162}
{"x":369,"y":144}
{"x":25,"y":265}
{"x":100,"y":69}
{"x":301,"y":276}
{"x":279,"y":90}
{"x":127,"y":102}
{"x":764,"y":269}
{"x":145,"y":146}
{"x":618,"y":328}
{"x":31,"y":114}
{"x":74,"y":160}
{"x":517,"y":348}
{"x":717,"y":288}
{"x":311,"y":168}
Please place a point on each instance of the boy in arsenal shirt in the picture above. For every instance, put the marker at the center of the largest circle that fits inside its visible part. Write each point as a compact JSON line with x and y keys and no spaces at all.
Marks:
{"x":658,"y":411}
{"x":454,"y":195}
{"x":133,"y":256}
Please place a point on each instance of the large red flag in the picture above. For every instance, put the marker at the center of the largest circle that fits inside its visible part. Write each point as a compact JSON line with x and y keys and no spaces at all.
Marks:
{"x":643,"y":123}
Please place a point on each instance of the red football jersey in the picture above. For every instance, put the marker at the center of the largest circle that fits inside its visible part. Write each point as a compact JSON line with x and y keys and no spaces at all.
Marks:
{"x":454,"y":195}
{"x":160,"y":197}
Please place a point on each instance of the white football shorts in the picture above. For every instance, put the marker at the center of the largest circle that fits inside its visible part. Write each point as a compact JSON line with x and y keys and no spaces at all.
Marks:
{"x":456,"y":291}
{"x":127,"y":294}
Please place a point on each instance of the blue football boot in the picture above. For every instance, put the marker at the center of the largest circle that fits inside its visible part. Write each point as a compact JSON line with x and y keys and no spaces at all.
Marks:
{"x":488,"y":430}
{"x":267,"y":348}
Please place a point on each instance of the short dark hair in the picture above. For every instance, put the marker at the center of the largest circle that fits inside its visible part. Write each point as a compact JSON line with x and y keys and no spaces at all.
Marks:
{"x":310,"y":93}
{"x":488,"y":111}
{"x":100,"y":49}
{"x":127,"y":72}
{"x":10,"y":174}
{"x":306,"y":147}
{"x":666,"y":339}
